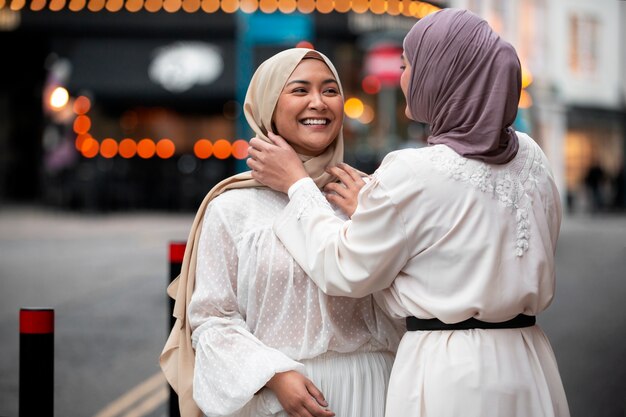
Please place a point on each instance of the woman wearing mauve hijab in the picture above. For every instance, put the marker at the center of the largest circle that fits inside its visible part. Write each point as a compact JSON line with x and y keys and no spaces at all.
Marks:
{"x":457,"y":238}
{"x":254,"y":335}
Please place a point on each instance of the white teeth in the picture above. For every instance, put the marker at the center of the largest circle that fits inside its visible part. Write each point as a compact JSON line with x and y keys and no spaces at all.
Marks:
{"x":314,"y":121}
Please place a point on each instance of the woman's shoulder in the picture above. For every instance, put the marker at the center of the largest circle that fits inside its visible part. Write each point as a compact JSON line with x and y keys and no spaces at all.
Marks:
{"x":410,"y":160}
{"x":241,"y":205}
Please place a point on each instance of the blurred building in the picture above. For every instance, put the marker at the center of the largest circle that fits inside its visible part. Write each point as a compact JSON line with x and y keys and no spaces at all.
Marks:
{"x":574,"y":53}
{"x":124,"y":104}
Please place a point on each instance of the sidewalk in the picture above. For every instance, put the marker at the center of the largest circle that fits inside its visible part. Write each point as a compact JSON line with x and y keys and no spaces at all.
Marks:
{"x":105,"y":276}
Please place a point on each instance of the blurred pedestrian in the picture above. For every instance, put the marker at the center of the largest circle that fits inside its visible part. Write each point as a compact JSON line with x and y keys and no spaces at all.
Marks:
{"x":267,"y":340}
{"x":460,"y":235}
{"x":594,"y":181}
{"x":619,"y":190}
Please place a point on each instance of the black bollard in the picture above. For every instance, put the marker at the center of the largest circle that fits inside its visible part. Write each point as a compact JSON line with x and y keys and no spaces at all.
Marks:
{"x":177,"y":252}
{"x":36,"y":386}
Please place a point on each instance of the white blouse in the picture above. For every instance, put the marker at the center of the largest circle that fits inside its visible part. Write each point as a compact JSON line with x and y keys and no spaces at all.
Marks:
{"x":468,"y":239}
{"x":254,"y":312}
{"x":439,"y":235}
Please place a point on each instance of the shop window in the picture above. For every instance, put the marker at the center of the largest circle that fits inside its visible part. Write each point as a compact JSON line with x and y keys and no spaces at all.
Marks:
{"x":584,"y":45}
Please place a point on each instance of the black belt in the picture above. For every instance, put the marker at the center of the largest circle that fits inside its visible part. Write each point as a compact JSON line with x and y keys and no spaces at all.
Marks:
{"x":415,"y":324}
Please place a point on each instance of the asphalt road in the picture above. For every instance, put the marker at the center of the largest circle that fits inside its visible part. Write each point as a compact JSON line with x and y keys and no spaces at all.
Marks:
{"x":105,"y":278}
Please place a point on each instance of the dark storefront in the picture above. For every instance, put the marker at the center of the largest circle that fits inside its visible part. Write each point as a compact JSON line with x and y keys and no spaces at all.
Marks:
{"x":175,"y":76}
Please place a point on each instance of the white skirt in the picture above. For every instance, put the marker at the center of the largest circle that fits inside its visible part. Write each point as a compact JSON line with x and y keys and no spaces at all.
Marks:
{"x":353,"y":384}
{"x":476,"y":373}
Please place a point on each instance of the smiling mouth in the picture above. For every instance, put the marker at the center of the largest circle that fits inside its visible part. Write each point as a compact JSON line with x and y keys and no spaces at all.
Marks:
{"x":315,"y":122}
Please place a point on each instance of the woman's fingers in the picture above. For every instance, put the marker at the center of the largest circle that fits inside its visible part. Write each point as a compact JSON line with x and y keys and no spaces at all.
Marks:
{"x":277,"y":139}
{"x":338,"y":189}
{"x":316,"y":393}
{"x":357,"y":176}
{"x":343,"y":176}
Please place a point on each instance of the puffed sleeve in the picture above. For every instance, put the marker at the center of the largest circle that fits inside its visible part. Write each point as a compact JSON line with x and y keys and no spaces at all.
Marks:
{"x":345,"y":258}
{"x":231,"y":363}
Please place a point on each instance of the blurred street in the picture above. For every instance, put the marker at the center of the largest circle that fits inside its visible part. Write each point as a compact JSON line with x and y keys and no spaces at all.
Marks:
{"x":105,"y":277}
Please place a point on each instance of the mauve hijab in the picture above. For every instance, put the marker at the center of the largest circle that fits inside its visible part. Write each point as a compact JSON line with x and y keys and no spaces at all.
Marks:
{"x":465,"y":83}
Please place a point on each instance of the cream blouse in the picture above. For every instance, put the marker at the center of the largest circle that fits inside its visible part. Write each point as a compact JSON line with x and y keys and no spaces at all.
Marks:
{"x":254,"y":311}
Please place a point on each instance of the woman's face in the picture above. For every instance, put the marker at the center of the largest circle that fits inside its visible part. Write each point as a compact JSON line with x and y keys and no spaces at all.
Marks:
{"x":404,"y":84}
{"x":309,"y":112}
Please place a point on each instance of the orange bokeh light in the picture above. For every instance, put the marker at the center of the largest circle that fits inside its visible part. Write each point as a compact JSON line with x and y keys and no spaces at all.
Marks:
{"x":127,"y":148}
{"x":210,"y":6}
{"x":203,"y":148}
{"x":268,"y":6}
{"x":287,"y":6}
{"x":248,"y":6}
{"x":393,"y":7}
{"x":80,"y":139}
{"x":360,"y":6}
{"x":324,"y":6}
{"x":108,"y":148}
{"x":240,"y":149}
{"x":165,"y":148}
{"x":230,"y":6}
{"x":81,"y":105}
{"x":82,"y":124}
{"x":114,"y":5}
{"x":342,"y":6}
{"x":306,"y":6}
{"x":222,"y":149}
{"x":525,"y":100}
{"x":146,"y":148}
{"x":35,"y":5}
{"x":89,"y":148}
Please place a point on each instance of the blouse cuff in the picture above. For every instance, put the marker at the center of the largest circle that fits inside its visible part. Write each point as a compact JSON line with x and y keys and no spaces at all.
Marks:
{"x":231,"y":366}
{"x":296,"y":185}
{"x":306,"y":197}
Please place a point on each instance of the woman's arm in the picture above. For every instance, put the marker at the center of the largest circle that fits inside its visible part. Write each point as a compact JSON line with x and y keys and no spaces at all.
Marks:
{"x":352,"y":258}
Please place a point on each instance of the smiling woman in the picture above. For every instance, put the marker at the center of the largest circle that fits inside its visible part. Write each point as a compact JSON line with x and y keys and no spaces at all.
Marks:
{"x":257,"y":337}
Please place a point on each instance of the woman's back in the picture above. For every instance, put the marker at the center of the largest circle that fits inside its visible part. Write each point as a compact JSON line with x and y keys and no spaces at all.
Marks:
{"x":482,"y":236}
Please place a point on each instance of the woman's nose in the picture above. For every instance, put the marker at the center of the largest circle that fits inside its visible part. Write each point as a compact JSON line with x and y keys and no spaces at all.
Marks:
{"x":317,"y":102}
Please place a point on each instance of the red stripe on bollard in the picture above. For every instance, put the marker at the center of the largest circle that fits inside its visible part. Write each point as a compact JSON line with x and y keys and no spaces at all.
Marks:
{"x":176,"y":255}
{"x":36,"y":321}
{"x":36,"y":387}
{"x":177,"y":252}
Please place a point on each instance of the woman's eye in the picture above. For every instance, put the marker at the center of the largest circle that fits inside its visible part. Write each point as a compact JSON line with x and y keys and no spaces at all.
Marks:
{"x":331,"y":91}
{"x":299,"y":90}
{"x":402,"y":67}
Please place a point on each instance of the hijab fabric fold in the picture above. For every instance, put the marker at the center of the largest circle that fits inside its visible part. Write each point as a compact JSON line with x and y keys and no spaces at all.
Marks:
{"x":177,"y":358}
{"x":465,"y":83}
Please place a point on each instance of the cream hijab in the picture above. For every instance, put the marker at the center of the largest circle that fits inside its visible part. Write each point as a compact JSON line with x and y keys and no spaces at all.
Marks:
{"x":178,"y":357}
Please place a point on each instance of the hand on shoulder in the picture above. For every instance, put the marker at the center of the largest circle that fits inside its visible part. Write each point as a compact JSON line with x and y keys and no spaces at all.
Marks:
{"x":275,"y":164}
{"x":344,"y":194}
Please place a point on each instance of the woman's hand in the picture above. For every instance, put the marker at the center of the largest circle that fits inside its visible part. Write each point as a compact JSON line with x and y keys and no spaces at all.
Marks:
{"x":298,"y":395}
{"x":344,"y":194}
{"x":276,"y":164}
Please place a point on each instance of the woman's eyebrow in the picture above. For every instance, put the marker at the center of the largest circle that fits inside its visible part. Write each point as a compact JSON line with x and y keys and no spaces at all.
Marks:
{"x":330,"y":80}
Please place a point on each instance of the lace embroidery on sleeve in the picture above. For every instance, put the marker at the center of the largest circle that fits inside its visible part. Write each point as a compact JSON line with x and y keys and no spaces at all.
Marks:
{"x":512,"y":185}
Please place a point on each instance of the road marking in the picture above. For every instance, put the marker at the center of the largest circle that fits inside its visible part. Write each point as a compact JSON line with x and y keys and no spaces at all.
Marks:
{"x":124,"y":403}
{"x":149,"y":404}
